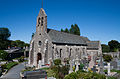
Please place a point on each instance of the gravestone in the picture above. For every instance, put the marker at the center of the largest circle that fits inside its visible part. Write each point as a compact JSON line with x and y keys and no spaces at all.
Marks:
{"x":71,"y":65}
{"x":40,"y":64}
{"x":94,"y":69}
{"x":101,"y":65}
{"x":77,"y":63}
{"x":92,"y":63}
{"x":108,"y":68}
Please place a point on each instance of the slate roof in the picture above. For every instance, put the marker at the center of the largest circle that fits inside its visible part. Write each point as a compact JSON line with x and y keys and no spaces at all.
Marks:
{"x":62,"y":37}
{"x":66,"y":38}
{"x":93,"y":44}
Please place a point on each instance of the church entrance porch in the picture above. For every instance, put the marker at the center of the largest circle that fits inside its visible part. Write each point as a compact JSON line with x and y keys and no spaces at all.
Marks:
{"x":39,"y":60}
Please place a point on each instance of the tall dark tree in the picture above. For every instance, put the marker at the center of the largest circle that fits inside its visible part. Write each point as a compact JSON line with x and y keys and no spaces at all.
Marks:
{"x":77,"y":30}
{"x":62,"y":30}
{"x":105,"y":48}
{"x":66,"y":30}
{"x":114,"y":45}
{"x":4,"y":33}
{"x":73,"y":30}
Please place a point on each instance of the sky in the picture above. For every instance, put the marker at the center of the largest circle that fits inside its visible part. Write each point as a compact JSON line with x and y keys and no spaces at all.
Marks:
{"x":97,"y":19}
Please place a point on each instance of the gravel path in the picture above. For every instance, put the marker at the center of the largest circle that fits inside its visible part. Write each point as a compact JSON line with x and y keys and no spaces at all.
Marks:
{"x":14,"y":73}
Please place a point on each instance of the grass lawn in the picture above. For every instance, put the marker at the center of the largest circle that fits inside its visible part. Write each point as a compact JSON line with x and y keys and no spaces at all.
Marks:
{"x":113,"y":70}
{"x":10,"y":65}
{"x":45,"y":68}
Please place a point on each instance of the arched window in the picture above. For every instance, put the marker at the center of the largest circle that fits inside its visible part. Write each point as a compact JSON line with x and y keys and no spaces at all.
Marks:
{"x":42,"y":21}
{"x":39,"y":43}
{"x":60,"y":52}
{"x":39,"y":20}
{"x":70,"y":52}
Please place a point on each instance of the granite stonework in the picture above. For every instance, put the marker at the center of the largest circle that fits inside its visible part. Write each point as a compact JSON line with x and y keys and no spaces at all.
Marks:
{"x":47,"y":44}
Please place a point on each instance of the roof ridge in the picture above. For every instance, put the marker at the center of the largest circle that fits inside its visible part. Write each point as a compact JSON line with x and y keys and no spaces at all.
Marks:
{"x":67,"y":33}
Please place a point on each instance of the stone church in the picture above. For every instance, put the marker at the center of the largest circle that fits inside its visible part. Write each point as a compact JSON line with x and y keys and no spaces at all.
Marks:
{"x":48,"y":44}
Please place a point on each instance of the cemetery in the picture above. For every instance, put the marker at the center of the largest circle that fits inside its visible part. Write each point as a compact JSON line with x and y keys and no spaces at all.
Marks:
{"x":75,"y":52}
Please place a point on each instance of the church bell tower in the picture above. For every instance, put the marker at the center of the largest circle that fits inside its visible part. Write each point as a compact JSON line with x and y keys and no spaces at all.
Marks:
{"x":41,"y":26}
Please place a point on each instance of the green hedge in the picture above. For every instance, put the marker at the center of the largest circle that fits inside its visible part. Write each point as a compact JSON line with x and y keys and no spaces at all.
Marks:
{"x":3,"y":55}
{"x":57,"y":61}
{"x":21,"y":59}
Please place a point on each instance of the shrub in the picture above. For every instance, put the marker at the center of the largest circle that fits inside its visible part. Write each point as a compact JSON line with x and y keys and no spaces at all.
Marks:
{"x":21,"y":59}
{"x":55,"y":69}
{"x":107,"y":58}
{"x":3,"y":66}
{"x":59,"y":72}
{"x":57,"y":62}
{"x":3,"y":55}
{"x":111,"y":78}
{"x":72,"y":75}
{"x":84,"y":75}
{"x":60,"y":75}
{"x":50,"y":73}
{"x":74,"y":68}
{"x":64,"y":70}
{"x":67,"y":77}
{"x":81,"y":66}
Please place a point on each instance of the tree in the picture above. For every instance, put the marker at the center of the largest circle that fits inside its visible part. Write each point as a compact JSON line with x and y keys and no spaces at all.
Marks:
{"x":19,"y":43}
{"x":13,"y":44}
{"x":77,"y":30}
{"x":33,"y":34}
{"x":73,"y":30}
{"x":66,"y":30}
{"x":4,"y":44}
{"x":26,"y":44}
{"x":114,"y":45}
{"x":3,"y":55}
{"x":4,"y":33}
{"x":107,"y":58}
{"x":62,"y":30}
{"x":105,"y":48}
